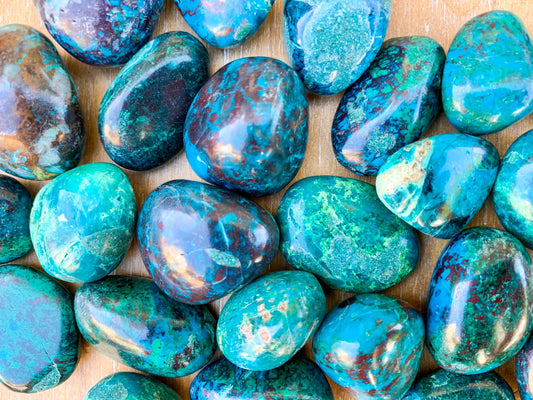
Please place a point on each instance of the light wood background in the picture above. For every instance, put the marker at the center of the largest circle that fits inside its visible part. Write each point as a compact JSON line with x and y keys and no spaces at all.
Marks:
{"x":439,"y":19}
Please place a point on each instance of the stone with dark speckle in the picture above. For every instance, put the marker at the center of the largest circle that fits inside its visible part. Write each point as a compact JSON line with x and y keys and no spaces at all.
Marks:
{"x":524,"y":370}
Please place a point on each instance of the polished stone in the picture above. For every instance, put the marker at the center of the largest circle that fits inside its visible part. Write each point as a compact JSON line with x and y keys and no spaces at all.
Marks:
{"x":524,"y":370}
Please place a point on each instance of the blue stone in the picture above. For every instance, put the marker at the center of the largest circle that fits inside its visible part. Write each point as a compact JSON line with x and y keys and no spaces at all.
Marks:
{"x":524,"y":370}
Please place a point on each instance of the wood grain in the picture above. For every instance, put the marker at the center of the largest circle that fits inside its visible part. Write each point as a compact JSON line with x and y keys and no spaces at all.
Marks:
{"x":439,"y":19}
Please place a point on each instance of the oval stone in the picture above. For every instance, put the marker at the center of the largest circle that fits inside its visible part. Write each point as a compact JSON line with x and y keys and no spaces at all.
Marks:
{"x":41,"y":126}
{"x":131,"y":321}
{"x":40,"y":342}
{"x":371,"y":344}
{"x":524,"y":370}
{"x":438,"y":184}
{"x":264,"y":324}
{"x":391,"y":105}
{"x":100,"y":32}
{"x":200,"y":242}
{"x":479,"y":301}
{"x":332,"y":42}
{"x":325,"y":223}
{"x":246,"y":129}
{"x":298,"y":379}
{"x":143,"y":112}
{"x":83,"y":222}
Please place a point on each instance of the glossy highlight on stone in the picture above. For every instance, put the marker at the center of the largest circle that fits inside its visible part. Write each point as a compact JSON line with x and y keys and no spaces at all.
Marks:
{"x":246,"y":129}
{"x":325,"y":223}
{"x":524,"y":370}
{"x":82,"y":223}
{"x":131,"y":321}
{"x":265,"y":323}
{"x":200,"y":242}
{"x":438,"y":184}
{"x":391,"y":105}
{"x":488,"y":74}
{"x":371,"y":344}
{"x":479,"y":301}
{"x":41,"y":126}
{"x":40,"y":342}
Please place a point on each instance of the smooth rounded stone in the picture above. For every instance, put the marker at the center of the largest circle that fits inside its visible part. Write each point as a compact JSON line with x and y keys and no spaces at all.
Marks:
{"x":246,"y":129}
{"x":479,"y":301}
{"x":200,"y":242}
{"x":265,"y":323}
{"x":131,"y":321}
{"x":391,"y":105}
{"x":332,"y":42}
{"x":105,"y":33}
{"x":82,"y":223}
{"x":41,"y":126}
{"x":325,"y":223}
{"x":298,"y":379}
{"x":143,"y":112}
{"x":488,"y":74}
{"x":524,"y":370}
{"x":371,"y":344}
{"x":40,"y":342}
{"x":438,"y":184}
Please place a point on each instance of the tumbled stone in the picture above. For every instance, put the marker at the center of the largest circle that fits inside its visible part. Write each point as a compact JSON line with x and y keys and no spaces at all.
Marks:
{"x":524,"y":370}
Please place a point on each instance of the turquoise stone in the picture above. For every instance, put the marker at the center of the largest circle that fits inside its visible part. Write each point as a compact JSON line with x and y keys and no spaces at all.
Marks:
{"x":488,"y":74}
{"x":324,"y":223}
{"x":265,"y":323}
{"x":298,"y":379}
{"x":524,"y":370}
{"x":332,"y":42}
{"x":438,"y":184}
{"x":371,"y":344}
{"x":131,"y":321}
{"x":479,"y":301}
{"x":39,"y":346}
{"x":82,"y":223}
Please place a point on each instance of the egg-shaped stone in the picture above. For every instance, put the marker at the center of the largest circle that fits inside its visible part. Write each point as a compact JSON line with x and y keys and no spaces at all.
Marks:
{"x":298,"y":379}
{"x":39,"y":346}
{"x":246,"y":129}
{"x":325,"y":223}
{"x":265,"y":323}
{"x":371,"y":344}
{"x":438,"y":184}
{"x":100,"y":32}
{"x":479,"y":301}
{"x":143,"y":112}
{"x":41,"y":125}
{"x":200,"y":242}
{"x":524,"y":370}
{"x":391,"y":105}
{"x":83,"y":222}
{"x":130,"y":320}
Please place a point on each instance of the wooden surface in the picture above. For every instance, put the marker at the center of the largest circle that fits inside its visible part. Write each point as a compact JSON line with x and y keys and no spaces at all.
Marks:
{"x":439,"y":19}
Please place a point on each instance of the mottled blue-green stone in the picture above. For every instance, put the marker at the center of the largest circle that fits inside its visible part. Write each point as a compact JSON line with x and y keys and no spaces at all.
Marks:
{"x":524,"y":370}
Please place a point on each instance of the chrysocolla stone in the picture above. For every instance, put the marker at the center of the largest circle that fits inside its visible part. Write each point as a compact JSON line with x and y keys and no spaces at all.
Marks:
{"x":264,"y":324}
{"x":391,"y":105}
{"x":332,"y":42}
{"x":488,"y":74}
{"x":130,"y":320}
{"x":83,"y":222}
{"x":371,"y":344}
{"x":479,"y":301}
{"x":142,"y":114}
{"x":524,"y":370}
{"x":246,"y":129}
{"x":200,"y":242}
{"x":224,"y":23}
{"x":438,"y":184}
{"x":325,"y":223}
{"x":39,"y":344}
{"x":41,"y":126}
{"x":299,"y":379}
{"x":100,"y":32}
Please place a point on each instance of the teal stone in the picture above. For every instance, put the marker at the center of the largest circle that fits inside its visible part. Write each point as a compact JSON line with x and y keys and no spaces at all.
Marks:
{"x":524,"y":370}
{"x":438,"y":184}
{"x":488,"y":74}
{"x":39,"y":346}
{"x":83,"y":222}
{"x":324,"y":224}
{"x":265,"y":323}
{"x":131,"y":321}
